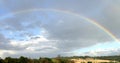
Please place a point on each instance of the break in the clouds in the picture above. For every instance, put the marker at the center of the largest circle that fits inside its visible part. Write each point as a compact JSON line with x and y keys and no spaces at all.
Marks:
{"x":49,"y":33}
{"x":101,"y":52}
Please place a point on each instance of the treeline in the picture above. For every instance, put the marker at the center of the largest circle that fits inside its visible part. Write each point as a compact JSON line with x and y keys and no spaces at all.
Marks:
{"x":113,"y":58}
{"x":116,"y":58}
{"x":40,"y":60}
{"x":55,"y":60}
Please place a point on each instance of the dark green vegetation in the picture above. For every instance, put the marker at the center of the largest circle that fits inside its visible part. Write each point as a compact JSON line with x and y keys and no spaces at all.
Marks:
{"x":55,"y":60}
{"x":112,"y":58}
{"x":40,"y":60}
{"x":116,"y":58}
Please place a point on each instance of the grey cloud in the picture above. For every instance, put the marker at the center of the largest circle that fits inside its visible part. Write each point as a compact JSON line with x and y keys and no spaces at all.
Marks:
{"x":72,"y":28}
{"x":68,"y":32}
{"x":3,"y":39}
{"x":85,"y":7}
{"x":18,"y":20}
{"x":7,"y":46}
{"x":109,"y":17}
{"x":70,"y":45}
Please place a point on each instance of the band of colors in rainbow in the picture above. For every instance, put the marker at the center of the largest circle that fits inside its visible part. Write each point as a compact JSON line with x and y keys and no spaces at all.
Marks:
{"x":68,"y":12}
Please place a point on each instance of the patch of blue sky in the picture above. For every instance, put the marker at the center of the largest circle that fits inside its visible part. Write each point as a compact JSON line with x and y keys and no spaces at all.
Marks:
{"x":6,"y":16}
{"x":3,"y":9}
{"x":21,"y":35}
{"x":102,"y":46}
{"x":35,"y":31}
{"x":25,"y":24}
{"x":7,"y":34}
{"x":19,"y":38}
{"x":27,"y":33}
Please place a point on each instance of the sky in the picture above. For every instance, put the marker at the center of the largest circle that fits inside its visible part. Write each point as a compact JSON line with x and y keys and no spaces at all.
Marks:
{"x":47,"y":28}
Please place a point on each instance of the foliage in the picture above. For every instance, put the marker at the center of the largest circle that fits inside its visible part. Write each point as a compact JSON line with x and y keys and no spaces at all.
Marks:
{"x":40,"y":60}
{"x":58,"y":59}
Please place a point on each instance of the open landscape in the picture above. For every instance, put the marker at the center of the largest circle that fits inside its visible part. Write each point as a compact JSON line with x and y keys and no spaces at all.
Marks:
{"x":59,"y":59}
{"x":59,"y":31}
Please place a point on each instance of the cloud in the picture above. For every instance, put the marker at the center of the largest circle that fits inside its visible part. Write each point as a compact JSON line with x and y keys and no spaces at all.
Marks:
{"x":109,"y":17}
{"x":60,"y":34}
{"x":49,"y":33}
{"x":3,"y":38}
{"x":39,"y":46}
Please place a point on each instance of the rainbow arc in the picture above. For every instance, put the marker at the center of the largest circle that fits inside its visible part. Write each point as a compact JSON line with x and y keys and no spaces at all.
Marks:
{"x":72,"y":13}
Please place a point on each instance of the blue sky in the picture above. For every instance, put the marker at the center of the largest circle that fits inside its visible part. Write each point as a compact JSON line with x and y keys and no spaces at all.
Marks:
{"x":49,"y":33}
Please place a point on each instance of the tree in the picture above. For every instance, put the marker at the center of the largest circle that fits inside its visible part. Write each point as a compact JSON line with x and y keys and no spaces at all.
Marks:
{"x":1,"y":60}
{"x":45,"y":60}
{"x":23,"y":60}
{"x":8,"y":60}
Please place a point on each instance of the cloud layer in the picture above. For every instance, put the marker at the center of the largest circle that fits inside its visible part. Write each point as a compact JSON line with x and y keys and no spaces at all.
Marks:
{"x":49,"y":33}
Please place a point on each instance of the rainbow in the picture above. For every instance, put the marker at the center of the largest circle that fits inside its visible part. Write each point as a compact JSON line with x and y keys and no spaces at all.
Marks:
{"x":67,"y":12}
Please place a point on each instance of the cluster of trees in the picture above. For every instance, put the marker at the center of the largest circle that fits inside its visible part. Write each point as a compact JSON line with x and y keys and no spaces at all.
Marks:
{"x":116,"y":58}
{"x":113,"y":58}
{"x":40,"y":60}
